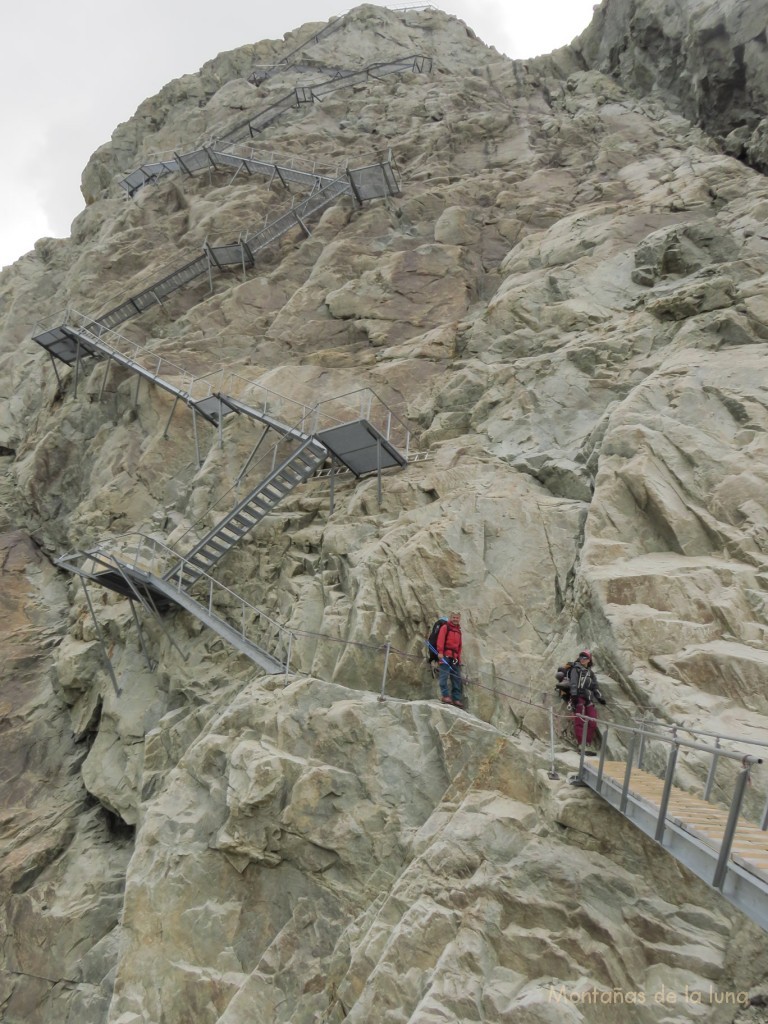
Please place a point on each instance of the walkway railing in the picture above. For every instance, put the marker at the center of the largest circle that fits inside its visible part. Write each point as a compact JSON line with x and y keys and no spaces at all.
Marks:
{"x":304,"y":411}
{"x":233,"y":157}
{"x":737,"y":867}
{"x":153,"y":558}
{"x":418,"y":63}
{"x":696,"y":832}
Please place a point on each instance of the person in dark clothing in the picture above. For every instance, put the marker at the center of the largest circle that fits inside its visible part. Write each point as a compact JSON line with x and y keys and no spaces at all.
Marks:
{"x":449,"y":655}
{"x":584,"y":691}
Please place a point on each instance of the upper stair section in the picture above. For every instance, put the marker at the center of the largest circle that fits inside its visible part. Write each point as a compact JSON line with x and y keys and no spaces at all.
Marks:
{"x":341,"y":79}
{"x":369,"y":182}
{"x":222,"y":151}
{"x":261,"y":74}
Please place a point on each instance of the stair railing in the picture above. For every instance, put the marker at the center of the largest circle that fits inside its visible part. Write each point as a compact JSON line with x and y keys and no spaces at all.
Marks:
{"x":150,"y":556}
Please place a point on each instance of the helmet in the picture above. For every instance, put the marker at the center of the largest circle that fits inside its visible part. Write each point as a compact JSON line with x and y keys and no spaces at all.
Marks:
{"x":585,"y":654}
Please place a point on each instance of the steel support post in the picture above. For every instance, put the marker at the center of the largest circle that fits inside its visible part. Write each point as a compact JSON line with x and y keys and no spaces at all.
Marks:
{"x":149,"y":606}
{"x":302,"y":225}
{"x":378,"y":471}
{"x":100,"y":635}
{"x":107,"y":366}
{"x":332,"y":481}
{"x":641,"y":750}
{"x":150,"y":663}
{"x":670,"y":773}
{"x":601,"y":762}
{"x":730,"y":828}
{"x":197,"y":440}
{"x":77,"y":364}
{"x":288,"y":654}
{"x":173,"y":410}
{"x":627,"y":773}
{"x":387,"y":647}
{"x":246,"y":466}
{"x":583,"y":745}
{"x":55,"y":369}
{"x":552,"y":773}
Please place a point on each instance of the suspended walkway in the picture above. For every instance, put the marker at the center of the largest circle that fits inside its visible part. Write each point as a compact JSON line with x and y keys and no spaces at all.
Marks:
{"x":357,"y":428}
{"x":717,"y":844}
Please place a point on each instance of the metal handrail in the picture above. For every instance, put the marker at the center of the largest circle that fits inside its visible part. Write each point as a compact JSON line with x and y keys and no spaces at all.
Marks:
{"x":158,"y":165}
{"x":144,"y":557}
{"x":748,"y":761}
{"x":117,"y":344}
{"x":226,"y":382}
{"x":706,"y":732}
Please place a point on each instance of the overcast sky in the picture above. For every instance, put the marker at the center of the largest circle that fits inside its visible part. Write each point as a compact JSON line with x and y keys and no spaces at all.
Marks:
{"x":72,"y":70}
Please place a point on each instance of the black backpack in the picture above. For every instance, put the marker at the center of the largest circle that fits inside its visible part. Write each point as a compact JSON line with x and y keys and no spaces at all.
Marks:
{"x":563,"y":685}
{"x":432,"y":654}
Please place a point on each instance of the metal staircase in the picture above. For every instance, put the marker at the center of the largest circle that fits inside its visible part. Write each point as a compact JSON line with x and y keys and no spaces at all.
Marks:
{"x":149,"y":572}
{"x":726,"y":851}
{"x":224,"y":157}
{"x":260,"y":74}
{"x":371,"y":181}
{"x":299,"y":466}
{"x":224,"y":153}
{"x":417,"y":63}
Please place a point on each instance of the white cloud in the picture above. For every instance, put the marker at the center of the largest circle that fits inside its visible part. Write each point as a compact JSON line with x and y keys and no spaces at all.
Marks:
{"x":70,"y":73}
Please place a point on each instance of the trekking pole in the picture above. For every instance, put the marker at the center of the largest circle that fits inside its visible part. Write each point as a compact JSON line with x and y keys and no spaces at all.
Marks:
{"x":552,"y":774}
{"x":435,"y":652}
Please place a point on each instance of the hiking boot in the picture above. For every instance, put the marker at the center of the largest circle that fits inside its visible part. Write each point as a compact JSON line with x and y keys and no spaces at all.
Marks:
{"x":457,"y":703}
{"x":446,"y":700}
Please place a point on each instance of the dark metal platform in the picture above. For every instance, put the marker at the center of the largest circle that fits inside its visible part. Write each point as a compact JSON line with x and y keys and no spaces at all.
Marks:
{"x":360,"y":447}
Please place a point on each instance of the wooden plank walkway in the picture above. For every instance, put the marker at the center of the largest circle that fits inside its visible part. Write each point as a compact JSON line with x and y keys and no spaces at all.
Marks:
{"x":701,"y":819}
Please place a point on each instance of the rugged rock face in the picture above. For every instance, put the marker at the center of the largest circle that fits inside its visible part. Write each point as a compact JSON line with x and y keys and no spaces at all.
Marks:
{"x":568,"y":304}
{"x":707,"y":60}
